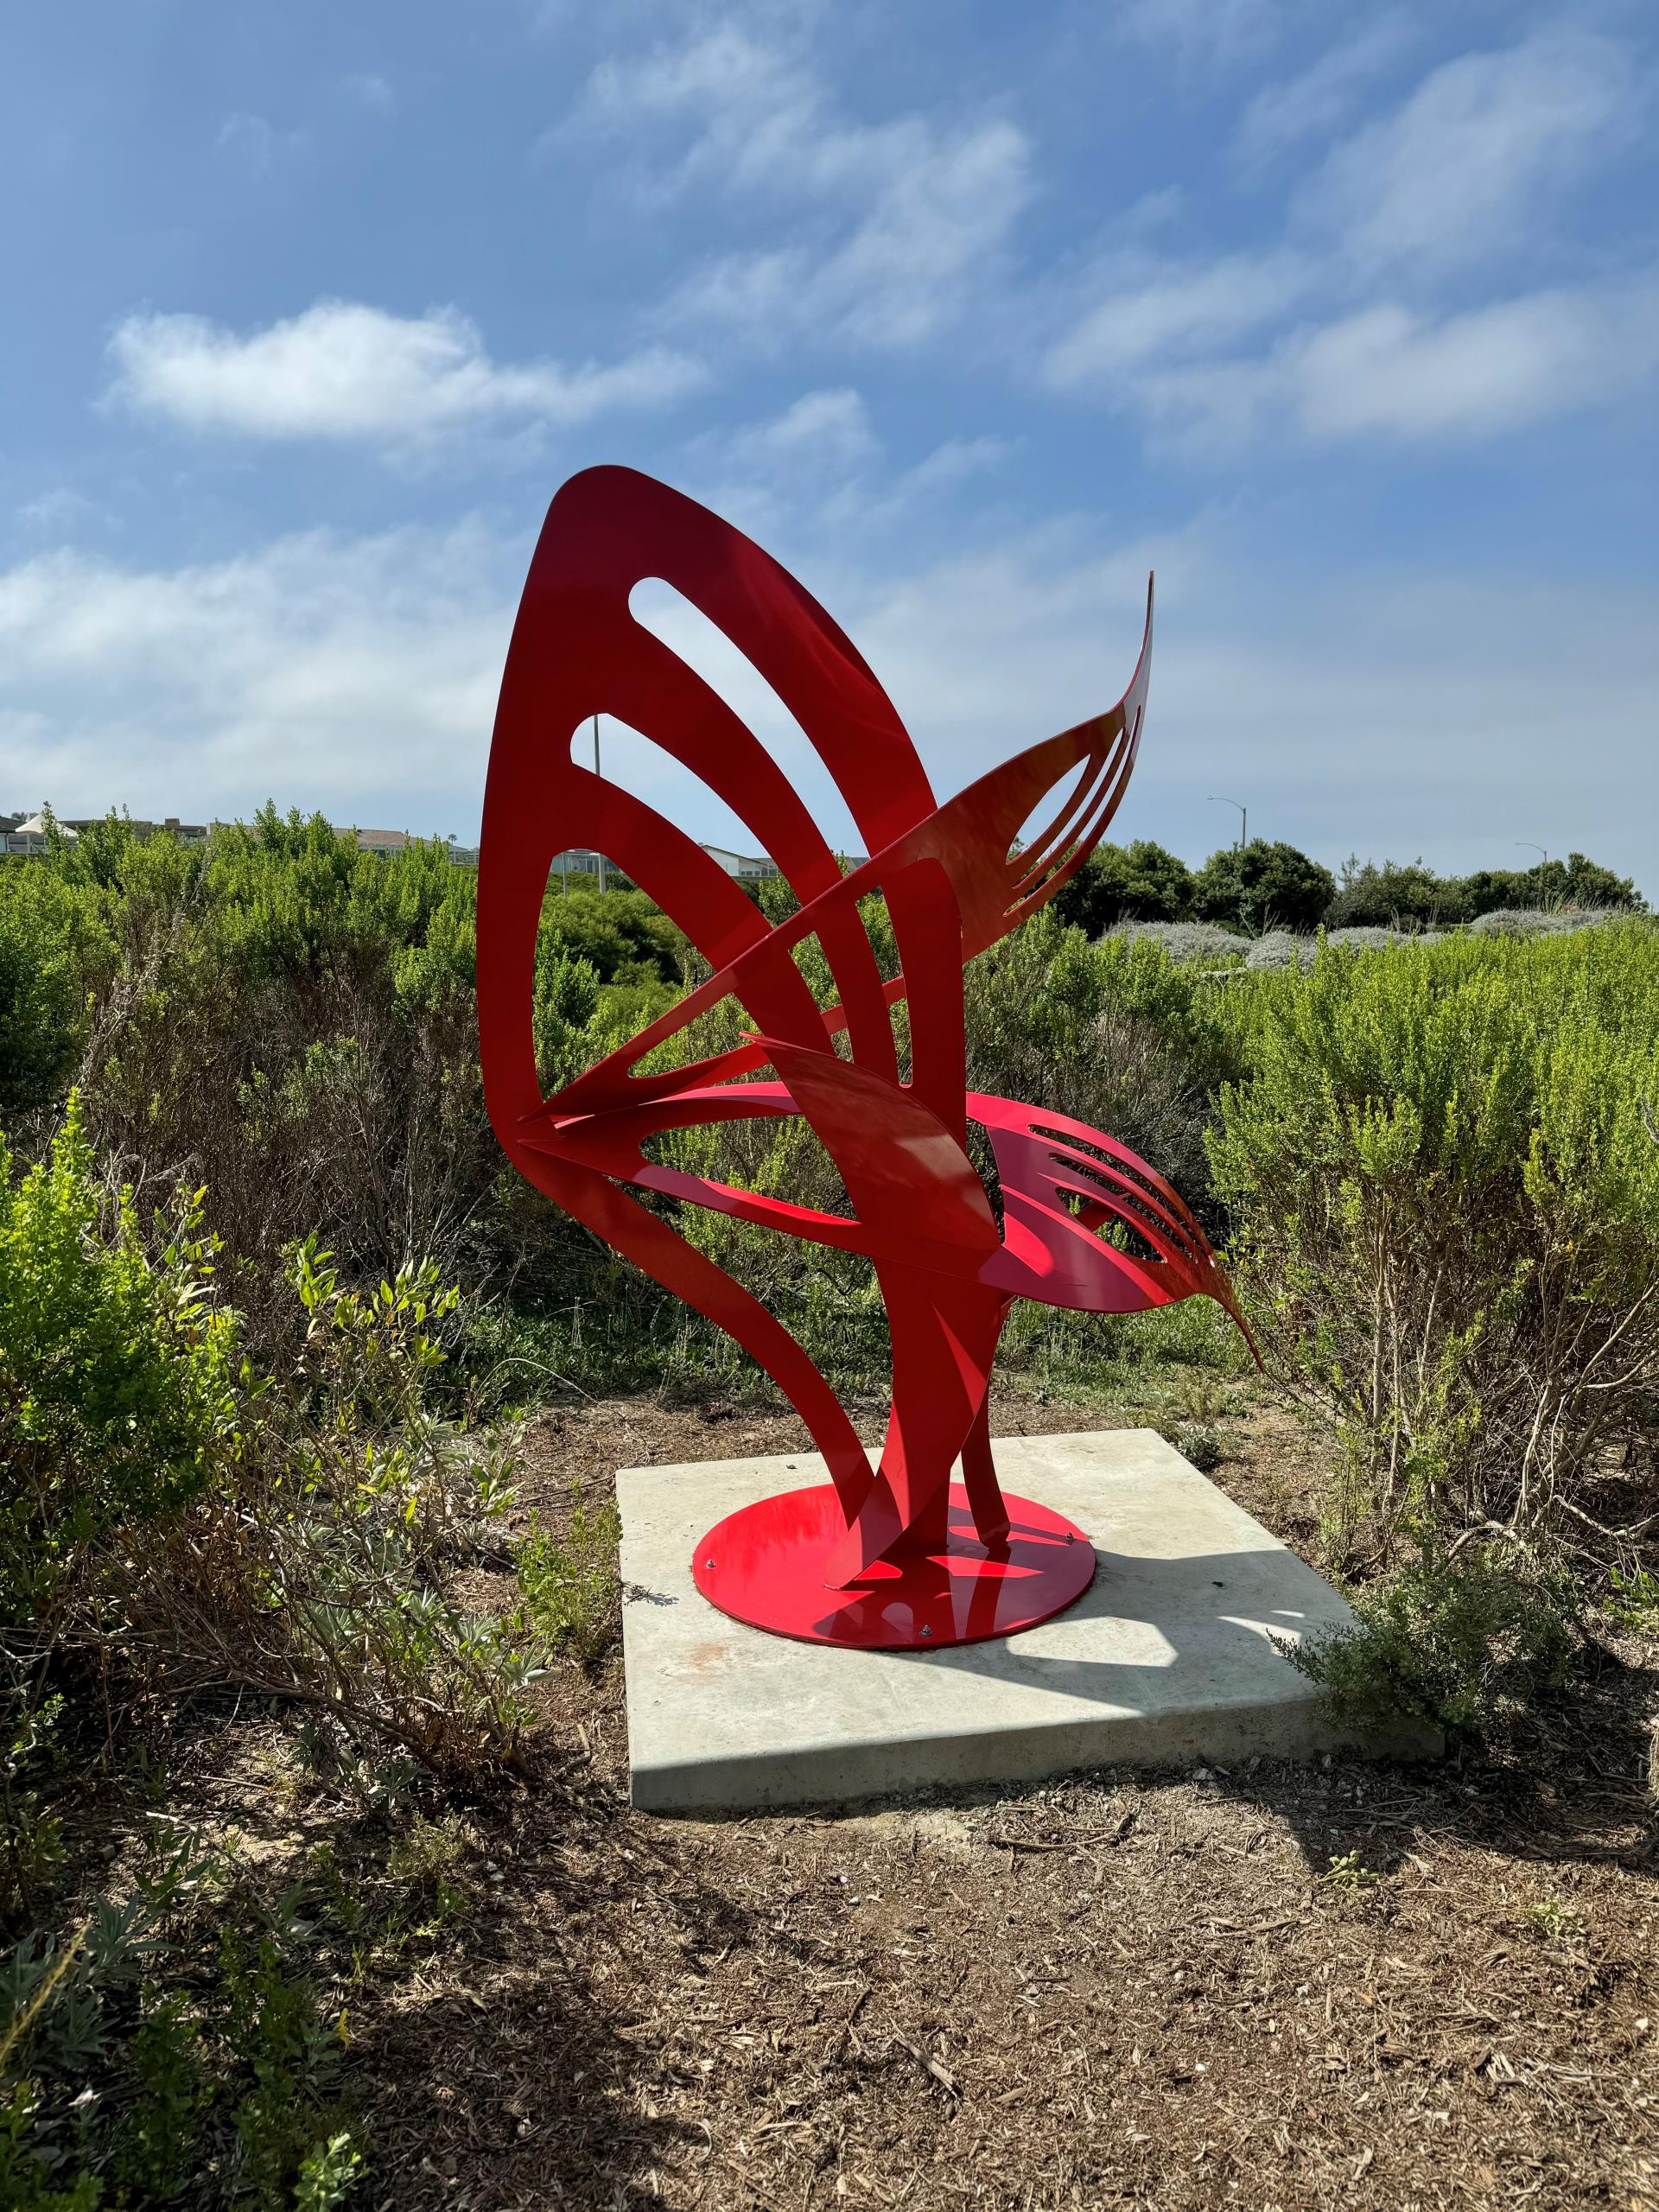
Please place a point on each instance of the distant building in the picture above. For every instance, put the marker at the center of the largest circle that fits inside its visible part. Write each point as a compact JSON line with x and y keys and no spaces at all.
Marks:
{"x":189,"y":833}
{"x":28,"y":833}
{"x":746,"y":866}
{"x":385,"y":842}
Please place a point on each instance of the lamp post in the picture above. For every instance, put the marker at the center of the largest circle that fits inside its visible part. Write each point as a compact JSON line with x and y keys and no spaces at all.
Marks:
{"x":1527,"y":845}
{"x":600,"y":857}
{"x":1244,"y":816}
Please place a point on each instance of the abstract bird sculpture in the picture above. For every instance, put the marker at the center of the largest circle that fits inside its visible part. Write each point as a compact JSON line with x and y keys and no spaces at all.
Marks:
{"x":894,"y":1554}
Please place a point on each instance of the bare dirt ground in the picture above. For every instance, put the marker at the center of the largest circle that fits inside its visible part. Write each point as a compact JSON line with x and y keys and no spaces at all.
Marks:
{"x":1349,"y":1985}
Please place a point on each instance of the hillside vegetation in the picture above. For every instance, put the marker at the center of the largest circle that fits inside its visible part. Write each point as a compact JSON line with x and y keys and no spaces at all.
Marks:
{"x":267,"y":1293}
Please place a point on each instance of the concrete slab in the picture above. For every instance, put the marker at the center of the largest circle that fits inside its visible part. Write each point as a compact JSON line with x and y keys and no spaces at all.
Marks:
{"x":1166,"y":1658}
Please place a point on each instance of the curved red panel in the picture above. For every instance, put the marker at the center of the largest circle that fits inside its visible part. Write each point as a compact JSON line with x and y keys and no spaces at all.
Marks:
{"x":954,"y":882}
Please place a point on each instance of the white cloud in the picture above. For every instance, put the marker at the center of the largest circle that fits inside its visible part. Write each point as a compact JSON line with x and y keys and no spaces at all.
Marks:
{"x":1495,"y":369}
{"x":1315,"y":102}
{"x":933,"y":226}
{"x":1157,"y":311}
{"x":60,"y":510}
{"x":367,"y":90}
{"x":1430,"y":714}
{"x":893,"y":226}
{"x":819,"y":474}
{"x":256,"y":144}
{"x":821,"y":430}
{"x":1444,"y":715}
{"x":1388,"y":372}
{"x":750,"y":109}
{"x":342,"y":369}
{"x":357,"y":676}
{"x":1458,"y":171}
{"x":1368,"y":325}
{"x":1216,"y":33}
{"x":950,"y":464}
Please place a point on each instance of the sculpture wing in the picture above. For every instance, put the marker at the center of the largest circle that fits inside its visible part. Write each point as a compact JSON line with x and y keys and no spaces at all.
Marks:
{"x":577,"y":651}
{"x":955,"y":880}
{"x":1062,"y":1182}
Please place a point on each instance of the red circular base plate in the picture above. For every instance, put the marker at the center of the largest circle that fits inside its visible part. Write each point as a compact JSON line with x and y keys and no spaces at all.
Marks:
{"x":764,"y":1565}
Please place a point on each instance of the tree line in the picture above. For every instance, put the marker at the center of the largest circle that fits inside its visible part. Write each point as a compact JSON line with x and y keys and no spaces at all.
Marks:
{"x":1265,"y":884}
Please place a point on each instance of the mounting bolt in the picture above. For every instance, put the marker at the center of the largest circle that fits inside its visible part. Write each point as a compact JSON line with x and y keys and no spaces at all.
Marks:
{"x":927,"y":1632}
{"x":707,"y":1564}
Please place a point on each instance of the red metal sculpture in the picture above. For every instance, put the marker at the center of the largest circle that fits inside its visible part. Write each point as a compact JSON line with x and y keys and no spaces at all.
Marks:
{"x":895,"y":1555}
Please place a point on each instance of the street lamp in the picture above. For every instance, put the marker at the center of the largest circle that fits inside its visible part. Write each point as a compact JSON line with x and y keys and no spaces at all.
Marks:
{"x":600,"y":857}
{"x":1244,"y":816}
{"x":1526,"y":844}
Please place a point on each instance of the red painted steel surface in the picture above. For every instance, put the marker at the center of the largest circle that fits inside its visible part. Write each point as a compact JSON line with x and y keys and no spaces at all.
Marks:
{"x":764,"y":1565}
{"x":956,"y":878}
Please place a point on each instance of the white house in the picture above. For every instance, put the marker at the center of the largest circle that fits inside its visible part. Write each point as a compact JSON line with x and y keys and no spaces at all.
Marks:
{"x":29,"y":837}
{"x":748,"y":868}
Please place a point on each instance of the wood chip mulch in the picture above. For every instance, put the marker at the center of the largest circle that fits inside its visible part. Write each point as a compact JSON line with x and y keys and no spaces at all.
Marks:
{"x":1119,"y":1988}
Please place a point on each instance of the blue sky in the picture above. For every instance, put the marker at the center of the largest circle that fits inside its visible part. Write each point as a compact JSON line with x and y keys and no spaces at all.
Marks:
{"x":1345,"y":318}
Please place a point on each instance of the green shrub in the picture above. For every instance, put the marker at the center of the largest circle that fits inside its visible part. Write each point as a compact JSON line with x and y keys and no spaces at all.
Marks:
{"x":569,"y":1585}
{"x":1198,"y":1441}
{"x":118,"y":1375}
{"x":317,"y":1565}
{"x":1262,"y":886}
{"x":31,"y":1836}
{"x":1349,"y":1875}
{"x":1461,"y":1644}
{"x":1552,"y":1920}
{"x":288,"y":2056}
{"x":160,"y":2140}
{"x":1113,"y":1033}
{"x":1138,"y":882}
{"x":48,"y":939}
{"x":164,"y":1505}
{"x":1445,"y":1201}
{"x":292,"y":1023}
{"x":171,"y":2049}
{"x":1575,"y":881}
{"x":1393,"y":897}
{"x":29,"y":2174}
{"x":1632,"y":1599}
{"x":622,"y":935}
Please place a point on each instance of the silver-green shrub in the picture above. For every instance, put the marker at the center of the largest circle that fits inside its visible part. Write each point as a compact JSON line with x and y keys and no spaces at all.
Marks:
{"x":1281,"y":949}
{"x":1541,"y":921}
{"x":1373,"y":937}
{"x":1185,"y":940}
